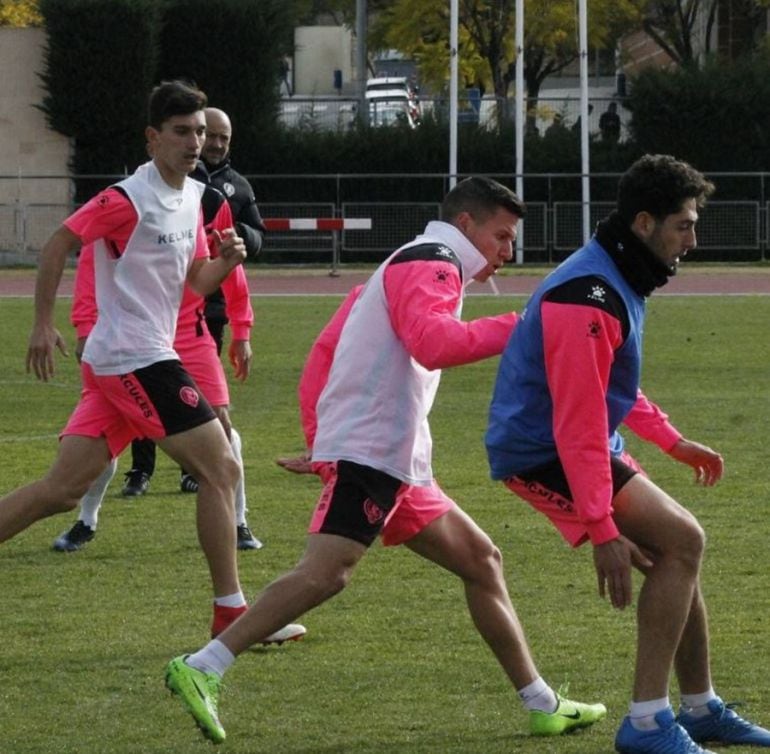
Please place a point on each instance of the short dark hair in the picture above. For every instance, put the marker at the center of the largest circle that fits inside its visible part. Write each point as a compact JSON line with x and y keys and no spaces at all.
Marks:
{"x":172,"y":98}
{"x":660,"y":184}
{"x":480,"y":196}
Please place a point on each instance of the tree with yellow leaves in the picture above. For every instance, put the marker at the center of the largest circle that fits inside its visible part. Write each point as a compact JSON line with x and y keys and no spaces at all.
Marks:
{"x":20,"y":13}
{"x":420,"y":29}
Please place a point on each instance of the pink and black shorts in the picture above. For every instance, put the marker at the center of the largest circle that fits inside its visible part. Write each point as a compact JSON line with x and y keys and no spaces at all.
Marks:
{"x":412,"y":510}
{"x":155,"y":401}
{"x":546,"y":489}
{"x":201,"y":360}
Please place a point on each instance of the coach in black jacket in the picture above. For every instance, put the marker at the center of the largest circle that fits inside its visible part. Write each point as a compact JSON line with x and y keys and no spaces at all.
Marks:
{"x":215,"y":169}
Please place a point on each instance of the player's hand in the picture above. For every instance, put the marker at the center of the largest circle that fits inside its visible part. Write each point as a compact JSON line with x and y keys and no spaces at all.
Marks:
{"x":229,"y":246}
{"x":240,"y":357}
{"x":613,"y":561}
{"x":298,"y":465}
{"x":708,"y":464}
{"x":40,"y":352}
{"x":79,"y":348}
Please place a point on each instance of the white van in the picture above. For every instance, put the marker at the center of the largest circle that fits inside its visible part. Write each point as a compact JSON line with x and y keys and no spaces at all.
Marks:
{"x":391,"y":100}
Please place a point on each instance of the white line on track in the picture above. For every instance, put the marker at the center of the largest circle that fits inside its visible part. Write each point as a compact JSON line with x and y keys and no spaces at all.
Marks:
{"x":27,"y":438}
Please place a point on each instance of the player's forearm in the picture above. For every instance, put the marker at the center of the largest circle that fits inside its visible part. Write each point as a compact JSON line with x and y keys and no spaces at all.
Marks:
{"x":209,"y":276}
{"x":53,"y":257}
{"x":646,"y":420}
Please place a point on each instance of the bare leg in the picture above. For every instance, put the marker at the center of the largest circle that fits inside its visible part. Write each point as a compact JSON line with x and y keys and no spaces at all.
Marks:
{"x":78,"y":463}
{"x":655,"y":522}
{"x":205,"y":452}
{"x":456,"y":543}
{"x":323,"y":571}
{"x":692,"y":664}
{"x":234,"y":439}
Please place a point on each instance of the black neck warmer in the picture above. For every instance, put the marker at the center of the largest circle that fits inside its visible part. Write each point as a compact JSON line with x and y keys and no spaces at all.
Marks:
{"x":639,"y":266}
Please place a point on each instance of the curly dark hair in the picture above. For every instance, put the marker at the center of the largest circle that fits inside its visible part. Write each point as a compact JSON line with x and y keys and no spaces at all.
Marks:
{"x":660,"y":184}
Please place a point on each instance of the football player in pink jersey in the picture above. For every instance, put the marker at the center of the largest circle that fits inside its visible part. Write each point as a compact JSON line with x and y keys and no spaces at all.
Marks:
{"x":199,"y":355}
{"x":372,"y":445}
{"x":149,"y":240}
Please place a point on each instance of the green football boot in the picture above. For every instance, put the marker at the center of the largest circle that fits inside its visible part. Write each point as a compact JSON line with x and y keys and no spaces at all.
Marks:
{"x":567,"y":717}
{"x":199,"y":693}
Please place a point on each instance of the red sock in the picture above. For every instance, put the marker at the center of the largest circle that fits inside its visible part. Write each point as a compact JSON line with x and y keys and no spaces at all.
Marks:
{"x":224,"y":616}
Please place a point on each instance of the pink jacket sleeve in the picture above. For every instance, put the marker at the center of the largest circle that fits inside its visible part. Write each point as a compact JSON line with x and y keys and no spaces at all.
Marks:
{"x":647,"y":421}
{"x":83,"y":313}
{"x":422,"y":298}
{"x":579,"y":343}
{"x":235,"y":287}
{"x":315,"y":373}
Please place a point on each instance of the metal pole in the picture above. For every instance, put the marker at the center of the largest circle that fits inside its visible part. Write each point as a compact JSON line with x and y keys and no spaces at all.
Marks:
{"x":454,"y":67}
{"x":585,"y":158}
{"x":361,"y":60}
{"x":334,"y":272}
{"x":520,"y":117}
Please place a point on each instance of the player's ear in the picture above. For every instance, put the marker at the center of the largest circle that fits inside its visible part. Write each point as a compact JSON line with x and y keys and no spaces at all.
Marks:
{"x":151,"y":135}
{"x":463,"y":221}
{"x":643,"y":225}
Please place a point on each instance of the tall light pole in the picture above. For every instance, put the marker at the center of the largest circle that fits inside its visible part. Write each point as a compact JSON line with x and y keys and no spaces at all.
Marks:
{"x":454,"y":71}
{"x":520,"y":119}
{"x":585,"y":161}
{"x":361,"y":59}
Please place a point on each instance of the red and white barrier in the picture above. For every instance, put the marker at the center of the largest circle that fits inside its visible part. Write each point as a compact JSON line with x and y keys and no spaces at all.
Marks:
{"x":321,"y":223}
{"x":329,"y":224}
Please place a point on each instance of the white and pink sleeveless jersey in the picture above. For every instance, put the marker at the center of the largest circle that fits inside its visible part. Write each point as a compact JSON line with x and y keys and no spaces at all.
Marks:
{"x":402,"y":330}
{"x":139,"y":288}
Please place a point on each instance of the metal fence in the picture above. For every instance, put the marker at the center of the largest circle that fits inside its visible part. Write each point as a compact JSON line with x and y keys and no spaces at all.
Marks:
{"x":733,"y":226}
{"x":332,"y":113}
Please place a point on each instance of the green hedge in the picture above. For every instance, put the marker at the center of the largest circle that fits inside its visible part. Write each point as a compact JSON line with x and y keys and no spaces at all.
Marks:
{"x":399,"y":149}
{"x":99,"y":65}
{"x":103,"y":57}
{"x":717,"y":116}
{"x":232,"y":49}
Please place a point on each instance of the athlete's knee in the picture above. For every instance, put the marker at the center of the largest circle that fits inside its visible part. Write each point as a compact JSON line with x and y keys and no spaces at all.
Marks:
{"x":232,"y":470}
{"x":690,"y":542}
{"x":326,"y":583}
{"x":333,"y":583}
{"x":484,"y":562}
{"x":222,"y":471}
{"x":694,"y":541}
{"x":61,"y":496}
{"x":68,"y":505}
{"x":325,"y":577}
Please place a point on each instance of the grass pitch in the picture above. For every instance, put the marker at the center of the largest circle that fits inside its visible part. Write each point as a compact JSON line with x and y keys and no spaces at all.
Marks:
{"x":393,"y":664}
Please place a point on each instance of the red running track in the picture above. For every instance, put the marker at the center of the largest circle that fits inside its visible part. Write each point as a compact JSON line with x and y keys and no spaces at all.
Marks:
{"x":271,"y":282}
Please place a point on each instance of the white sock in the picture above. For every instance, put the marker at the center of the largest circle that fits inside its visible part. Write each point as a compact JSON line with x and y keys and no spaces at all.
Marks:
{"x":538,"y":695}
{"x":697,"y":704}
{"x":92,"y":500}
{"x":230,"y":600}
{"x":642,"y":714}
{"x":240,"y":489}
{"x":215,"y":657}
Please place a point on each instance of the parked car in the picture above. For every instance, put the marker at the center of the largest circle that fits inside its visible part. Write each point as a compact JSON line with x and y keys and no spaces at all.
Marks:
{"x":392,"y":100}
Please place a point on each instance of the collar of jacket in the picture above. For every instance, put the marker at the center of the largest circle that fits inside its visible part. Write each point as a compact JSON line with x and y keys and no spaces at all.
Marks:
{"x":638,"y":265}
{"x":471,"y":259}
{"x":220,"y":167}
